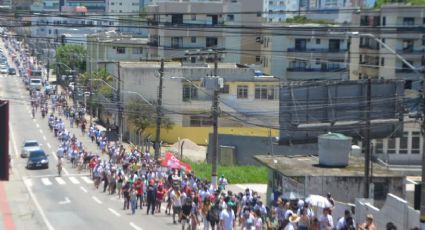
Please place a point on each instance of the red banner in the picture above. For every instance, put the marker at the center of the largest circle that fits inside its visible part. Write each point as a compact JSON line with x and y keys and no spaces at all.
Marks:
{"x":171,"y":161}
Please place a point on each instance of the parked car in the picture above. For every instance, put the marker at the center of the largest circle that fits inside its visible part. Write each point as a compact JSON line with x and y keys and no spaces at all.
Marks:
{"x":12,"y":71}
{"x":37,"y":159}
{"x":28,"y":146}
{"x":4,"y":69}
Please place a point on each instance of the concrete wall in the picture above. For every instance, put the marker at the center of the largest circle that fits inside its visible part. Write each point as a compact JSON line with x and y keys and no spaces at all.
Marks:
{"x":395,"y":210}
{"x":248,"y":146}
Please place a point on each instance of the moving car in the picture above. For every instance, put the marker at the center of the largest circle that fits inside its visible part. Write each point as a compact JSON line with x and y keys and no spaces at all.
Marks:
{"x":37,"y":159}
{"x":28,"y":146}
{"x":35,"y":83}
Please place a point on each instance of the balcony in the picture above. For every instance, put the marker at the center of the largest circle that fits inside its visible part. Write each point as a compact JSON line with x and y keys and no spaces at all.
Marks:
{"x":411,"y":50}
{"x":292,"y":69}
{"x":369,"y":46}
{"x":313,"y":50}
{"x":408,"y":70}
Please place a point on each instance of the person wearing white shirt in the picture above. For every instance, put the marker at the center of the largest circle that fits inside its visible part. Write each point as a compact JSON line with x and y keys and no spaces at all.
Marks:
{"x":326,"y":220}
{"x":227,"y":217}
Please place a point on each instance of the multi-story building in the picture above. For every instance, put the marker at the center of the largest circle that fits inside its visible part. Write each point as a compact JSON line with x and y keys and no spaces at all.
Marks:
{"x":397,"y":27}
{"x":245,"y":99}
{"x":123,"y":6}
{"x":112,"y":46}
{"x":298,"y":54}
{"x":280,"y":10}
{"x":91,"y":5}
{"x":179,"y":26}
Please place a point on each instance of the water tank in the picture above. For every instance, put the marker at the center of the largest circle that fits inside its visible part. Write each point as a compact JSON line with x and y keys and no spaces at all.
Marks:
{"x":334,"y":149}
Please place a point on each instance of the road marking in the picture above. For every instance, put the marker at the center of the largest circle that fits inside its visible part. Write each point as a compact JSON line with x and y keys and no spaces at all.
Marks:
{"x":36,"y":124}
{"x":114,"y":212}
{"x":135,"y":226}
{"x":96,"y":199}
{"x":87,"y":180}
{"x":46,"y":181}
{"x":15,"y":147}
{"x":60,"y":180}
{"x":65,"y":171}
{"x":37,"y":205}
{"x":74,"y":180}
{"x":66,"y":201}
{"x":41,"y":131}
{"x":48,"y":145}
{"x":44,"y":137}
{"x":82,"y":188}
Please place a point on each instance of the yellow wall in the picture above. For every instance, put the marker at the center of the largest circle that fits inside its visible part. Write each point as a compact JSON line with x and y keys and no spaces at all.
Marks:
{"x":199,"y":135}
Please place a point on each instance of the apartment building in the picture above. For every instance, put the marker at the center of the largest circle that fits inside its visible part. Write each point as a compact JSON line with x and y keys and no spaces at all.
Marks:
{"x":398,"y":27}
{"x":112,"y":46}
{"x":294,"y":53}
{"x":246,"y":97}
{"x":98,"y":6}
{"x":123,"y":6}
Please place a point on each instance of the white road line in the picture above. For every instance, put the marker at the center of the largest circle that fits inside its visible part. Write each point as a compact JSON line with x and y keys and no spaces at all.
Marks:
{"x":74,"y":180}
{"x":60,"y":180}
{"x":114,"y":212}
{"x":87,"y":180}
{"x":15,"y":147}
{"x":65,"y":171}
{"x":44,"y":137}
{"x":41,"y":131}
{"x":46,"y":181}
{"x":82,"y":188}
{"x":135,"y":226}
{"x":36,"y":124}
{"x":96,"y":199}
{"x":37,"y":205}
{"x":48,"y":145}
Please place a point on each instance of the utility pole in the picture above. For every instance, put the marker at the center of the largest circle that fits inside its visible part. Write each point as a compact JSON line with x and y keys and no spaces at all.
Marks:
{"x":215,"y":114}
{"x":120,"y":123}
{"x":367,"y":140}
{"x":159,"y":113}
{"x":48,"y":62}
{"x":422,"y":185}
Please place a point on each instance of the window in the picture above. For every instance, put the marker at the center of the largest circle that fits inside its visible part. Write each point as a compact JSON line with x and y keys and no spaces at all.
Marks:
{"x":300,"y":44}
{"x":193,"y":39}
{"x":334,"y":44}
{"x":317,"y":41}
{"x":242,"y":91}
{"x":416,"y":142}
{"x":137,"y":50}
{"x":382,"y":61}
{"x":408,"y":21}
{"x":257,"y":59}
{"x":266,"y":92}
{"x":193,"y":17}
{"x":317,"y":61}
{"x":211,"y":41}
{"x":199,"y":120}
{"x":423,"y":40}
{"x":271,"y":3}
{"x":225,"y":89}
{"x":230,"y":17}
{"x":403,"y":143}
{"x":408,"y":45}
{"x":176,"y":42}
{"x":384,"y":21}
{"x":380,"y":191}
{"x":112,"y":3}
{"x":423,"y":20}
{"x":177,"y":19}
{"x":391,"y":146}
{"x":120,"y":50}
{"x":379,"y":147}
{"x":120,"y":3}
{"x":190,"y":92}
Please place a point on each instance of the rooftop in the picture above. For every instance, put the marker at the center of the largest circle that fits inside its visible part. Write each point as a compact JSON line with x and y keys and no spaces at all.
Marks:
{"x":294,"y":166}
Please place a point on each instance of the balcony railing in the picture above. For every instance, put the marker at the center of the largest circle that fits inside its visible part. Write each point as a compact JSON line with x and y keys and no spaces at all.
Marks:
{"x":411,"y":50}
{"x":313,"y":50}
{"x":291,"y":69}
{"x":367,"y":46}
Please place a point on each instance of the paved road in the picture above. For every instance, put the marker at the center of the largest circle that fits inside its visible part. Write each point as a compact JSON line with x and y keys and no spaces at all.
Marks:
{"x":67,"y":202}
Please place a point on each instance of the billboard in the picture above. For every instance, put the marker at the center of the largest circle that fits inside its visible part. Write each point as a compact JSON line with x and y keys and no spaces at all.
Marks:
{"x":308,"y":109}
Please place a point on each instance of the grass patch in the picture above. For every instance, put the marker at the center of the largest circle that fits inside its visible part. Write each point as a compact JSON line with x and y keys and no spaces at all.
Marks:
{"x":234,"y":174}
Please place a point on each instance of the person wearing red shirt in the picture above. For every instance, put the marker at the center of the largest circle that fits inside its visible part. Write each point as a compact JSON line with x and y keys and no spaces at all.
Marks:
{"x":160,"y":192}
{"x":138,"y":185}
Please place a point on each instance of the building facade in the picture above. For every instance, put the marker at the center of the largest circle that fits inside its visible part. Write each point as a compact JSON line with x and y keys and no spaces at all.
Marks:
{"x":244,"y":99}
{"x":123,"y":6}
{"x":293,"y":53}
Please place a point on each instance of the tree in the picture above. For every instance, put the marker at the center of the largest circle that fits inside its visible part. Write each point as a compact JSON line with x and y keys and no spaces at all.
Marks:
{"x":142,"y":116}
{"x":74,"y":56}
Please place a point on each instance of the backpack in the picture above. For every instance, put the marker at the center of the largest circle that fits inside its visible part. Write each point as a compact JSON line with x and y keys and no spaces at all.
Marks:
{"x":214,"y":214}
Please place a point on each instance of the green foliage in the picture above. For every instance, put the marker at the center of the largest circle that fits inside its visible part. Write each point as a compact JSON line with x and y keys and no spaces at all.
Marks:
{"x":305,"y":20}
{"x":379,"y":3}
{"x":73,"y":56}
{"x":236,"y":174}
{"x":143,"y":115}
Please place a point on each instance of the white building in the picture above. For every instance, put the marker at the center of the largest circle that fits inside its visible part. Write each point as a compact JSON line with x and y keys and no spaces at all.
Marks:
{"x":123,"y":6}
{"x":304,"y":54}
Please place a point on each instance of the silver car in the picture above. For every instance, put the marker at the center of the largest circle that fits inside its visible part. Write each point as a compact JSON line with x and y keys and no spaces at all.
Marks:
{"x":29,"y":145}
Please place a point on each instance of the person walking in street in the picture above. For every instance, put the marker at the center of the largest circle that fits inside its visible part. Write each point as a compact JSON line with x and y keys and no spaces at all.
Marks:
{"x":133,"y":201}
{"x":227,"y":217}
{"x":151,"y":197}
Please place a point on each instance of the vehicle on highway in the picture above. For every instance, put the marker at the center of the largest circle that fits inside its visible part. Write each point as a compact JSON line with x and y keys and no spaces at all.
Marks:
{"x":37,"y":159}
{"x":28,"y":146}
{"x":12,"y":71}
{"x":35,"y":83}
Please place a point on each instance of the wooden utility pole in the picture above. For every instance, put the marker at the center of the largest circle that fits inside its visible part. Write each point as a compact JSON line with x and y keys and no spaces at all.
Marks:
{"x":159,"y":113}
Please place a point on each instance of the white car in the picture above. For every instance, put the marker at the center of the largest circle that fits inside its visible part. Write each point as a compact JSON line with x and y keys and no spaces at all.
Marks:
{"x":4,"y":70}
{"x":28,"y":146}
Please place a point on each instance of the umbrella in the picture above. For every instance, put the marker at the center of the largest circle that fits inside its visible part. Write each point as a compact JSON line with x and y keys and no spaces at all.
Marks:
{"x":291,"y":196}
{"x":318,"y":201}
